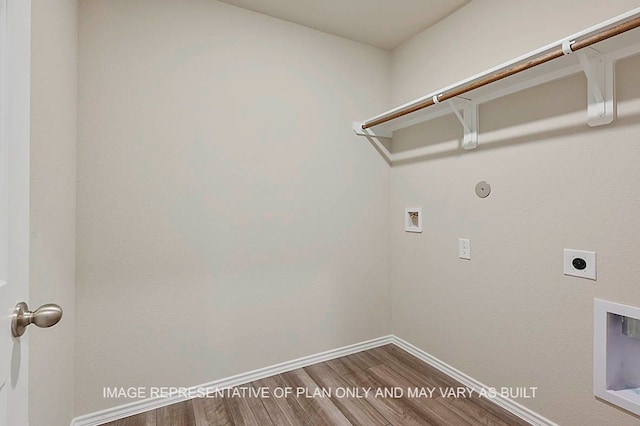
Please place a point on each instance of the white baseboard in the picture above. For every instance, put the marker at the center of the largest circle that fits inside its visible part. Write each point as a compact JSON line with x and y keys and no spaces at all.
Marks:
{"x":141,"y":406}
{"x":468,"y":381}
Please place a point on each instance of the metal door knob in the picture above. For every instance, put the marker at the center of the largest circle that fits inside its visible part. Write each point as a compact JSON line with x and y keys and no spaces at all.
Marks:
{"x":45,"y":316}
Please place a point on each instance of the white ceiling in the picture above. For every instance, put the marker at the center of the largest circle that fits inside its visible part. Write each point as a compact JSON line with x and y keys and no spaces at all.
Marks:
{"x":380,"y":23}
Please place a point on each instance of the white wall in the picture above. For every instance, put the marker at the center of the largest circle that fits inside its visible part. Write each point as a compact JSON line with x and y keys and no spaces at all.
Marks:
{"x":53,"y":202}
{"x":486,"y":33}
{"x":228,"y":218}
{"x":509,"y":317}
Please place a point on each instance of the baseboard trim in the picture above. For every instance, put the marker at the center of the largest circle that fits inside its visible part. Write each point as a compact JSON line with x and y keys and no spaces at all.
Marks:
{"x":137,"y":407}
{"x":506,"y":403}
{"x":141,"y":406}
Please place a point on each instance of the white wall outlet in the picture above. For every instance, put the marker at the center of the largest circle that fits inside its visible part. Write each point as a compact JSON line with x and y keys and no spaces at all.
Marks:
{"x":413,"y":219}
{"x":580,"y":263}
{"x":464,"y":248}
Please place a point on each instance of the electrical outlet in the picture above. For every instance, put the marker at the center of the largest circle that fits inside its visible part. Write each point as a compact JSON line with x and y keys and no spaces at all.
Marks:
{"x":580,"y":263}
{"x":464,"y":248}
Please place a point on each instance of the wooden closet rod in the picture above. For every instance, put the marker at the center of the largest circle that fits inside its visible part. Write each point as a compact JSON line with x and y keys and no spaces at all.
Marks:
{"x":533,"y":62}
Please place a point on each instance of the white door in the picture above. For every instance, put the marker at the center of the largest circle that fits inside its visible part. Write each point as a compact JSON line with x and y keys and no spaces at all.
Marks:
{"x":15,"y":54}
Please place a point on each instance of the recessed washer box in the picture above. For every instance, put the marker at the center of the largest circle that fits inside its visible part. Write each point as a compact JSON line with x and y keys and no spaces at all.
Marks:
{"x":616,"y":354}
{"x":413,"y":219}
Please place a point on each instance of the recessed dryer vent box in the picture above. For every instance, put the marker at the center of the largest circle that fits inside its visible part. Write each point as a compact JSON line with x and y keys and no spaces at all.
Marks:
{"x":616,"y":354}
{"x":413,"y":219}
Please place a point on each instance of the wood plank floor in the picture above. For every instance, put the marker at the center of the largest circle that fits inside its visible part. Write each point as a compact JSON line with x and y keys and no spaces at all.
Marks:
{"x":382,"y":369}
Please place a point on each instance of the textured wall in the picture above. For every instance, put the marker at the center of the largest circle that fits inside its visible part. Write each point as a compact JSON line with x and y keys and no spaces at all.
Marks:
{"x":509,"y":317}
{"x":228,"y":218}
{"x":53,"y":206}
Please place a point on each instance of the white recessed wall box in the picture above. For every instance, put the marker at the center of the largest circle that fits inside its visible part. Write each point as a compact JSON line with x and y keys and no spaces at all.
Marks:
{"x":616,"y":354}
{"x":413,"y":219}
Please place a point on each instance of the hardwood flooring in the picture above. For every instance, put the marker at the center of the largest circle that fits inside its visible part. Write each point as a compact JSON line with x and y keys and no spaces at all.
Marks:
{"x":384,"y":369}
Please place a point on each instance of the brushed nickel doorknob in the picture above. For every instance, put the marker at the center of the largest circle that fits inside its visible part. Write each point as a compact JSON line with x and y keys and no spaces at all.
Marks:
{"x":45,"y":316}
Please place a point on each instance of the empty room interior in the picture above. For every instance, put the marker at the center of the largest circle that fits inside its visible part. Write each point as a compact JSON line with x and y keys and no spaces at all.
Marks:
{"x":367,"y":212}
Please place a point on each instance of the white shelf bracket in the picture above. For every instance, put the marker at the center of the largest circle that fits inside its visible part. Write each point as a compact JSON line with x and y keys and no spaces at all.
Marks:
{"x":358,"y":130}
{"x":469,"y":121}
{"x":600,"y":86}
{"x":374,"y":138}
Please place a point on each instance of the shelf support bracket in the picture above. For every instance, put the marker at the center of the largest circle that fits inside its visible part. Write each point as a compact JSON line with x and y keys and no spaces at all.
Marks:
{"x":469,"y":121}
{"x":374,"y":139}
{"x":358,"y":130}
{"x":600,"y":86}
